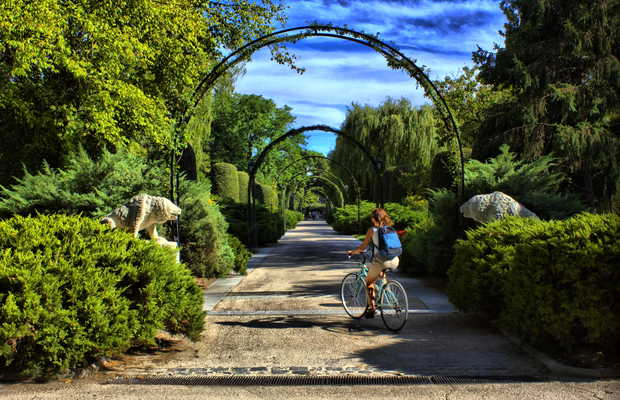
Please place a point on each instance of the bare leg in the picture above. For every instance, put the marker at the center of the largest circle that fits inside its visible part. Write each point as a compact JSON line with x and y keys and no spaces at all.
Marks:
{"x":370,"y":286}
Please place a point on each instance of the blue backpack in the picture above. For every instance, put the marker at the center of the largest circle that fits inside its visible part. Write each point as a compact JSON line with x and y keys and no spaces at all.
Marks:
{"x":389,"y":243}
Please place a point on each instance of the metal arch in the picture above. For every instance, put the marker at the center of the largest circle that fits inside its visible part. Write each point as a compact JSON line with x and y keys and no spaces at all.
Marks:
{"x":344,"y":167}
{"x":292,"y":178}
{"x":395,"y":58}
{"x":312,"y":169}
{"x":315,"y":169}
{"x":377,"y":165}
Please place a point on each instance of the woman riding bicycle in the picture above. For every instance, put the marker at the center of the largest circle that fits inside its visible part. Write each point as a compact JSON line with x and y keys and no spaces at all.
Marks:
{"x":379,"y":218}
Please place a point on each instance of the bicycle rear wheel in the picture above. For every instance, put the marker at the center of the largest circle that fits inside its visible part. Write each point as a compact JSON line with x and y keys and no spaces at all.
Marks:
{"x":394,"y":306}
{"x":353,"y":295}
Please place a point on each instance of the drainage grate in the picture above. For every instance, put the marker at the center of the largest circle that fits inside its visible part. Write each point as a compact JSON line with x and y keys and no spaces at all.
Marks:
{"x":270,"y":380}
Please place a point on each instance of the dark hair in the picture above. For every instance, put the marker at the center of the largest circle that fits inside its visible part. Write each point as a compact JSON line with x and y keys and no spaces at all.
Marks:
{"x":380,"y":217}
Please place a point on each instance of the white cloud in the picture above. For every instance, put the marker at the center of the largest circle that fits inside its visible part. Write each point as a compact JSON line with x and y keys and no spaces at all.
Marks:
{"x":336,"y":77}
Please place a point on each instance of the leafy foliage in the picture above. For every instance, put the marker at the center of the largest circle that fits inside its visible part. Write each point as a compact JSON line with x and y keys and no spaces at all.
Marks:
{"x":88,"y":186}
{"x":108,"y":74}
{"x":550,"y":282}
{"x":561,"y":61}
{"x":203,"y":229}
{"x":242,"y":254}
{"x":244,"y":125}
{"x":535,"y":184}
{"x":225,"y":181}
{"x":292,"y":218}
{"x":345,"y":218}
{"x":269,"y":224}
{"x":72,"y":290}
{"x":403,"y":136}
{"x":244,"y":181}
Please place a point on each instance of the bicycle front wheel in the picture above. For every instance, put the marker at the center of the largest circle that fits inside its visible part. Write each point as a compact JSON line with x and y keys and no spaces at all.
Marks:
{"x":353,"y":295}
{"x":394,"y":306}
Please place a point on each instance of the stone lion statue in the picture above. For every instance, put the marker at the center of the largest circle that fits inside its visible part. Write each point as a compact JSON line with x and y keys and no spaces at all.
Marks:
{"x":496,"y":205}
{"x":143,"y":212}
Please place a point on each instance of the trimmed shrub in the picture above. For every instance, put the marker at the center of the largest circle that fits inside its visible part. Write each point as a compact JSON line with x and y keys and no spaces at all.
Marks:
{"x":86,"y":186}
{"x":244,"y":181}
{"x":203,"y":232}
{"x":242,"y":254}
{"x":72,"y":290}
{"x":269,"y":224}
{"x":344,"y":219}
{"x":225,"y":181}
{"x":417,"y":246}
{"x":553,"y":283}
{"x":267,"y":195}
{"x":292,"y":218}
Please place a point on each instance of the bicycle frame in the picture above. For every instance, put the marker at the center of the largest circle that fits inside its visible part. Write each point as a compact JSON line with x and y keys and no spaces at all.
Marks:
{"x":379,"y":287}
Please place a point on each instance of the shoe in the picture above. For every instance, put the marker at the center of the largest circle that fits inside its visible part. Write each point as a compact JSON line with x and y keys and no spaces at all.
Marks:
{"x":369,"y":314}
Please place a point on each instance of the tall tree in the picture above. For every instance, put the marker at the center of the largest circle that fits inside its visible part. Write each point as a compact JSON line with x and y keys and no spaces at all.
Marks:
{"x":562,"y":60}
{"x":244,"y":125}
{"x":402,"y":136}
{"x":100,"y":72}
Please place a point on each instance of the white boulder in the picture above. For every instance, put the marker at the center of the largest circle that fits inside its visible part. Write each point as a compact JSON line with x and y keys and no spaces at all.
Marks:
{"x":496,"y":205}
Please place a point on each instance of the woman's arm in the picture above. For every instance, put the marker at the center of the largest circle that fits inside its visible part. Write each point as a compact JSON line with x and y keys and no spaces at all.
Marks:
{"x":362,"y":247}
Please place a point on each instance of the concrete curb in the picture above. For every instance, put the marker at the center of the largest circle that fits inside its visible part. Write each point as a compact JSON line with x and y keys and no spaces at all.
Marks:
{"x":559,"y":368}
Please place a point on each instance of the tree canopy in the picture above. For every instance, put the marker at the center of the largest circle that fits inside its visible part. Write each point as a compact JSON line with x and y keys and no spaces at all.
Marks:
{"x":561,"y":60}
{"x":95,"y":73}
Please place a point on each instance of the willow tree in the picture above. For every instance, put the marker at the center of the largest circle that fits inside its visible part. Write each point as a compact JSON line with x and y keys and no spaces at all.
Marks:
{"x":402,"y":136}
{"x":562,"y":61}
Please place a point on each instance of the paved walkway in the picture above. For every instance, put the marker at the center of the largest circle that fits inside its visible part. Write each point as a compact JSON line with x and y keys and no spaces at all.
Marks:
{"x":285,"y":317}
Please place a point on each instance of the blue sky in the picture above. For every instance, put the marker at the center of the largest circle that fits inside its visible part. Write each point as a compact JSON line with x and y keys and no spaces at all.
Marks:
{"x":440,"y":34}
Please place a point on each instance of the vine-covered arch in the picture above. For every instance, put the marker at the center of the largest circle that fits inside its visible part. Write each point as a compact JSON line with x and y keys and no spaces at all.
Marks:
{"x":255,"y":166}
{"x":340,"y":189}
{"x":342,"y":166}
{"x":394,"y":57}
{"x":321,"y":181}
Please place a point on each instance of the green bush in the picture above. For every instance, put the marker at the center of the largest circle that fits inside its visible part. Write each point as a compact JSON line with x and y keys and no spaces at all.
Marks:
{"x":416,"y":202}
{"x":292,"y":218}
{"x":550,"y":282}
{"x":242,"y":254}
{"x":86,"y":186}
{"x":445,"y":170}
{"x":267,"y":195}
{"x":244,"y":181}
{"x":225,"y":181}
{"x":205,"y":244}
{"x":269,"y":224}
{"x":417,"y":245}
{"x":534,"y":184}
{"x":344,"y":219}
{"x":72,"y":290}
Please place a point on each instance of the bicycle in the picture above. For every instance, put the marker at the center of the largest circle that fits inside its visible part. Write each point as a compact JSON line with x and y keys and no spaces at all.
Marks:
{"x":392,"y":303}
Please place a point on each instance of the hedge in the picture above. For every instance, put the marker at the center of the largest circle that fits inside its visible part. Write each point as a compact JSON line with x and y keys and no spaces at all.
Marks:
{"x":72,"y":290}
{"x":549,"y":282}
{"x":244,"y":181}
{"x":344,"y":219}
{"x":292,"y":218}
{"x":242,"y":254}
{"x":205,"y":245}
{"x":269,"y":224}
{"x":266,"y":195}
{"x":225,"y":181}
